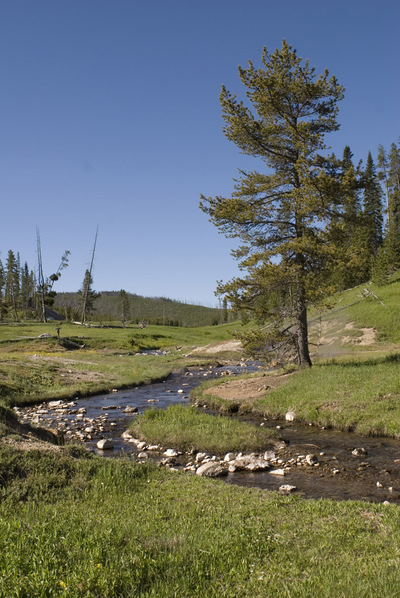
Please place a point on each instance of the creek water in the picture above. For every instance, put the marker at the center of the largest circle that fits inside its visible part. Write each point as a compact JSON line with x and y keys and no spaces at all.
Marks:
{"x":371,"y":475}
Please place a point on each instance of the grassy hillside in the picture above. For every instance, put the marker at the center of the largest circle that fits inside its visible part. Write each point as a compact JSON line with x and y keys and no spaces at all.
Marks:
{"x":153,"y":310}
{"x":354,"y":383}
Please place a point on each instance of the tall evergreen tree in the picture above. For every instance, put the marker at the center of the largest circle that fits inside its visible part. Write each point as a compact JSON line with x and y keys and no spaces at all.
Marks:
{"x":349,"y":233}
{"x":86,"y":296}
{"x":392,"y":240}
{"x":12,"y":283}
{"x":2,"y":279}
{"x":372,"y":209}
{"x":280,"y":214}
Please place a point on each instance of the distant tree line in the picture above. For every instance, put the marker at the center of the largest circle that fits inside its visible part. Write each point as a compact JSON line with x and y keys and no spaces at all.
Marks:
{"x":130,"y":309}
{"x":26,"y":294}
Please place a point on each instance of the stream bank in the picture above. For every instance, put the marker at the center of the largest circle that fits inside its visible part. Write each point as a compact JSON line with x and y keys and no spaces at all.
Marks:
{"x":316,"y":463}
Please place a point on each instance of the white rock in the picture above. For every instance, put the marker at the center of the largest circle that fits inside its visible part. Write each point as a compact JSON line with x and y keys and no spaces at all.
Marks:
{"x":277,"y":472}
{"x":290,"y":416}
{"x":126,"y":435}
{"x":311,"y":459}
{"x":141,"y":445}
{"x":229,"y":457}
{"x":54,"y":404}
{"x":211,"y":469}
{"x":200,"y":457}
{"x":251,"y":463}
{"x":171,"y":453}
{"x":130,"y":409}
{"x":268,"y":455}
{"x":105,"y":444}
{"x":143,"y":455}
{"x":287,"y":488}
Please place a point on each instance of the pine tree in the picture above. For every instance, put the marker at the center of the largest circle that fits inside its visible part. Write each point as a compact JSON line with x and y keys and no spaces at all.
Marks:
{"x":86,"y":296}
{"x":280,"y":214}
{"x":12,"y":284}
{"x":2,"y":279}
{"x":372,"y":209}
{"x":392,"y":241}
{"x":349,"y":232}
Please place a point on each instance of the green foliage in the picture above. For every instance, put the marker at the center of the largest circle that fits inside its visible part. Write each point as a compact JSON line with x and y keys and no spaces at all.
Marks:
{"x":281,"y":214}
{"x":183,"y":427}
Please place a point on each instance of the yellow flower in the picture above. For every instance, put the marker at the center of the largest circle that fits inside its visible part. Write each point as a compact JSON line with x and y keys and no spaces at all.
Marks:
{"x":98,"y":565}
{"x":63,"y":584}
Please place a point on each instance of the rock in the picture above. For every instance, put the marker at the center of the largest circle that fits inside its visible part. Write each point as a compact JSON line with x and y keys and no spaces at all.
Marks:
{"x":287,"y":488}
{"x":268,"y":455}
{"x":211,"y":469}
{"x":141,"y":445}
{"x":171,"y":453}
{"x":153,"y":447}
{"x":359,"y":452}
{"x":105,"y":444}
{"x":290,"y":416}
{"x":229,"y":457}
{"x":130,"y":409}
{"x":379,"y":485}
{"x":251,"y":463}
{"x":200,"y":457}
{"x":311,"y":459}
{"x":180,"y":391}
{"x":126,"y":435}
{"x":54,"y":404}
{"x":143,"y":455}
{"x":277,"y":472}
{"x":106,"y":408}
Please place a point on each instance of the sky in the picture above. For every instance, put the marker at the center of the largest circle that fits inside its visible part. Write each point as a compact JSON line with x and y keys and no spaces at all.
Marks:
{"x":110,"y":118}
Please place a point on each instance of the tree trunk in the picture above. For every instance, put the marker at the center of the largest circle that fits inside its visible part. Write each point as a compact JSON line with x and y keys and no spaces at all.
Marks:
{"x":302,"y":328}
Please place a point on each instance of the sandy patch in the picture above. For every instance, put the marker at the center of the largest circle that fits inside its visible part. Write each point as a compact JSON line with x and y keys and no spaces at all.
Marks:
{"x":250,"y":388}
{"x":367,"y":336}
{"x":229,"y":345}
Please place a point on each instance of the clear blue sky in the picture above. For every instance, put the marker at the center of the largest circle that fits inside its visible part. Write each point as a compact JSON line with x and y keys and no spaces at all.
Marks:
{"x":110,"y":117}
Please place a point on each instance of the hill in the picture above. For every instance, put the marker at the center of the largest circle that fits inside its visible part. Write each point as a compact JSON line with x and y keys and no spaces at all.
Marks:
{"x":137,"y":309}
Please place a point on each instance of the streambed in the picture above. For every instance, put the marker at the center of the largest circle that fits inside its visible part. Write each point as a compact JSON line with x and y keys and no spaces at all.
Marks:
{"x":346,"y":466}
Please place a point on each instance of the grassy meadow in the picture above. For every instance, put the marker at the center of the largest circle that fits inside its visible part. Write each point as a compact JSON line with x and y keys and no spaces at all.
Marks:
{"x":76,"y":525}
{"x":89,"y":527}
{"x":33,"y":369}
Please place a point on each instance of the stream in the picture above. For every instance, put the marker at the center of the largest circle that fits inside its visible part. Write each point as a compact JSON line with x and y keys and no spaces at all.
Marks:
{"x":344,"y":466}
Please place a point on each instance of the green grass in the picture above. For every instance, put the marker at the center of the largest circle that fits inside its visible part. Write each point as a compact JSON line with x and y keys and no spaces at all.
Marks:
{"x":360,"y":395}
{"x":90,"y":527}
{"x":126,"y":339}
{"x":363,"y":396}
{"x":34,"y":369}
{"x":183,"y":427}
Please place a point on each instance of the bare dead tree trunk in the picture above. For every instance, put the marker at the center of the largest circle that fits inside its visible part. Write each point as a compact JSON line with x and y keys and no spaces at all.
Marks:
{"x":88,"y":282}
{"x":41,"y":277}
